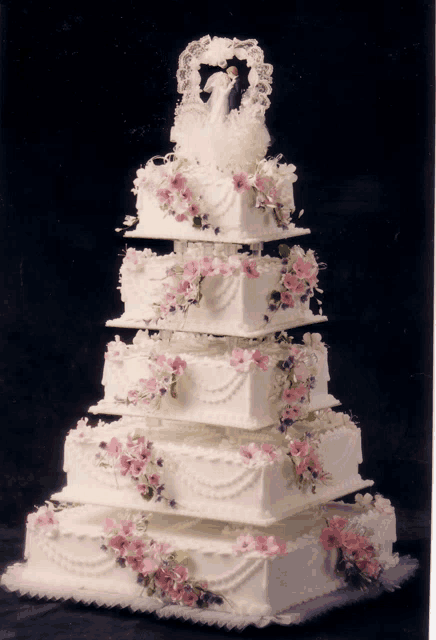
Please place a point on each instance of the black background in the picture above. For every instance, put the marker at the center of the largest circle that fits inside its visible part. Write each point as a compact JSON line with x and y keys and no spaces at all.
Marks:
{"x":88,"y":94}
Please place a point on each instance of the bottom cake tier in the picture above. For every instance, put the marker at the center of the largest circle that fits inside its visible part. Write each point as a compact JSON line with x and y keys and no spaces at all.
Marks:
{"x":114,"y":556}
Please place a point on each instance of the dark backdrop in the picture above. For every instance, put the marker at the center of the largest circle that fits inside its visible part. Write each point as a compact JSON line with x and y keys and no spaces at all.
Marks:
{"x":88,"y":93}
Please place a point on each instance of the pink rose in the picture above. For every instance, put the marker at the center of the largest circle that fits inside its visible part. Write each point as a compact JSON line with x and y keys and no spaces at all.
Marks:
{"x":206,"y":266}
{"x":180,"y":573}
{"x":176,"y":592}
{"x":337,"y":522}
{"x":148,"y":566}
{"x":164,"y":579}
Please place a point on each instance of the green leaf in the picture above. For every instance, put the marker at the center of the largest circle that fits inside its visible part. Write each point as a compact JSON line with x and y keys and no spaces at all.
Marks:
{"x":284,"y":250}
{"x":196,"y":221}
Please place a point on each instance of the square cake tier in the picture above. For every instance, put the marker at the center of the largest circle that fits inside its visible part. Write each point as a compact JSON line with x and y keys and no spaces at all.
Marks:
{"x":231,"y":475}
{"x":246,"y":384}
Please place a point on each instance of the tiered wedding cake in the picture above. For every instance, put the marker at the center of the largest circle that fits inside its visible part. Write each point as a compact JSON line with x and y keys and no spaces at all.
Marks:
{"x":210,"y":498}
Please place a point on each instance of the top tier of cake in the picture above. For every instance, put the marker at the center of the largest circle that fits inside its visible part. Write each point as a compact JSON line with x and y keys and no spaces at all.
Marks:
{"x":218,"y":184}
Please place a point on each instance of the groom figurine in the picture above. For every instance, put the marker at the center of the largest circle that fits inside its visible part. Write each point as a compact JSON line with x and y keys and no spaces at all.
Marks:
{"x":235,"y":92}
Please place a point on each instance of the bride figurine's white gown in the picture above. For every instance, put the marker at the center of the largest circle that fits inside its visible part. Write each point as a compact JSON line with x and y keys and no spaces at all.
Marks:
{"x":219,"y":86}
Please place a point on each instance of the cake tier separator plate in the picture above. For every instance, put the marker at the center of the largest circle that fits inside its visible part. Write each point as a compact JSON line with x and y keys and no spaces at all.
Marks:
{"x":227,"y":238}
{"x":301,"y":503}
{"x":207,"y":417}
{"x":215,"y":329}
{"x":28,"y":583}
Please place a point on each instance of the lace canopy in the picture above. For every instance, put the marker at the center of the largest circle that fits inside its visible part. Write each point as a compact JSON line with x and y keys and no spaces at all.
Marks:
{"x":215,"y":52}
{"x":236,"y":140}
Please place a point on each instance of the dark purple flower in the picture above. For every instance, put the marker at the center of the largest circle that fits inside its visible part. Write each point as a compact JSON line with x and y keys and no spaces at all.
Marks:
{"x":159,"y":462}
{"x":103,"y":445}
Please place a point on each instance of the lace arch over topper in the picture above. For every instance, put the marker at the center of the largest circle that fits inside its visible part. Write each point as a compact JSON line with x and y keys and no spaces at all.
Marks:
{"x":244,"y":138}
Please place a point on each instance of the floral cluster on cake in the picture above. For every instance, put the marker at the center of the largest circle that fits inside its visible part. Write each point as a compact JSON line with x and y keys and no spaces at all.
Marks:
{"x":308,"y":467}
{"x":158,"y":568}
{"x":149,"y":391}
{"x":135,"y":458}
{"x":268,"y":546}
{"x":357,"y":558}
{"x":298,"y":373}
{"x":271,"y":182}
{"x":257,"y":454}
{"x":243,"y":359}
{"x":298,"y":282}
{"x":171,"y":187}
{"x":185,"y":279}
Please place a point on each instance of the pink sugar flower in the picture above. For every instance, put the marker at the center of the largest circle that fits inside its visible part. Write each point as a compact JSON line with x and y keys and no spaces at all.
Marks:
{"x":177,"y":182}
{"x":287,"y":299}
{"x":180,"y":573}
{"x":353,"y":542}
{"x":331,"y":538}
{"x":244,"y":544}
{"x":154,"y":479}
{"x":206,"y":266}
{"x":164,"y":196}
{"x":161,"y":361}
{"x":148,"y":566}
{"x":127,"y":527}
{"x":109,"y":525}
{"x":136,"y":467}
{"x":193,"y":210}
{"x":241,"y":183}
{"x":181,"y":217}
{"x":249,"y":267}
{"x":291,"y":413}
{"x":176,"y":592}
{"x":292,"y":283}
{"x":177,"y":365}
{"x":164,"y":579}
{"x":225,"y":269}
{"x":261,"y":361}
{"x":133,"y":396}
{"x":302,"y":268}
{"x":142,"y":488}
{"x":189,"y":598}
{"x":114,"y":447}
{"x":137,"y":546}
{"x":261,"y":183}
{"x":184,"y":287}
{"x":120,"y":544}
{"x":240,"y":359}
{"x":373,"y":569}
{"x":191,"y":269}
{"x":270,"y":450}
{"x":299,"y":449}
{"x":186,"y":195}
{"x":135,"y":562}
{"x":275,"y":546}
{"x":290,"y":396}
{"x":149,"y":385}
{"x":248,"y":451}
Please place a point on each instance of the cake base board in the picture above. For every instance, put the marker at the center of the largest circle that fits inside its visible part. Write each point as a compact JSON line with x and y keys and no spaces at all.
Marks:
{"x":212,"y":329}
{"x":18,"y":578}
{"x":208,"y":235}
{"x":301,"y":503}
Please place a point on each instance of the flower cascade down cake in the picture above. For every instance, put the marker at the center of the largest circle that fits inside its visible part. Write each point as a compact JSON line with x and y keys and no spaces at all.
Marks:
{"x":207,"y":492}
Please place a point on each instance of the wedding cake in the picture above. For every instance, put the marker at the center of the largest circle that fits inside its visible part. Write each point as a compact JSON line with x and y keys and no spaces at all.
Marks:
{"x":211,"y":496}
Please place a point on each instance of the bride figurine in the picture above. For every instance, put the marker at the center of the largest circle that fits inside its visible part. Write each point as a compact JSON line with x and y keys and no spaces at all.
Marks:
{"x":220,"y":85}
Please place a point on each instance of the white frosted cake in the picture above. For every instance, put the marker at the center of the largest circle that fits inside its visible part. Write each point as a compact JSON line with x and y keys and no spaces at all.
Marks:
{"x":210,"y":498}
{"x":235,"y":383}
{"x":213,"y":291}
